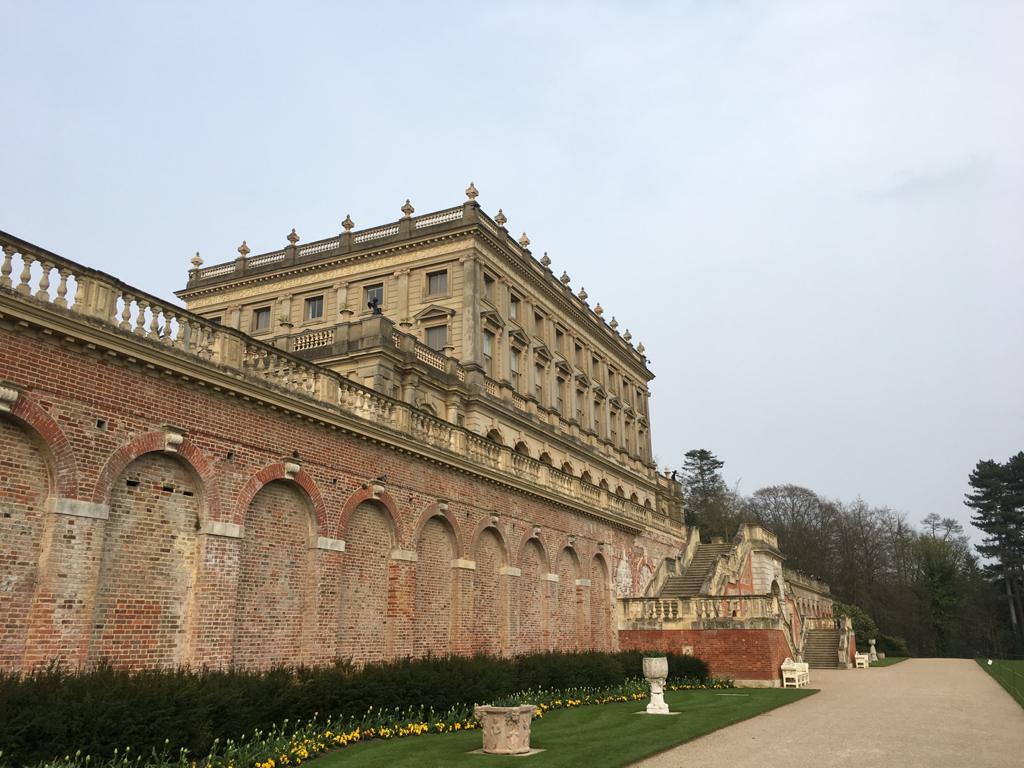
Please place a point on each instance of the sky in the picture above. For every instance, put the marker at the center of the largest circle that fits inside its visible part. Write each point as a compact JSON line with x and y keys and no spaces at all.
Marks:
{"x":810,"y":213}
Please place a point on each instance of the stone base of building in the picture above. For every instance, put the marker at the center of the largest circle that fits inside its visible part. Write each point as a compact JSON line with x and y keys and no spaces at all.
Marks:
{"x":751,"y":657}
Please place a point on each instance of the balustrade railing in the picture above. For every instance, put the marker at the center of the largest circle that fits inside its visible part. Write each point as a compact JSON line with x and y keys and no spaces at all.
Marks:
{"x":40,"y":276}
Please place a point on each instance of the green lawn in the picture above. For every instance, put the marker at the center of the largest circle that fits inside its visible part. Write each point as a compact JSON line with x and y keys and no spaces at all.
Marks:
{"x":888,"y":661}
{"x":1009,"y":674}
{"x":604,"y":735}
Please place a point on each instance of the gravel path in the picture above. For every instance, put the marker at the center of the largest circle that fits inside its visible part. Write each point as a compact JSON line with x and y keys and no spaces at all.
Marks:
{"x":920,"y":713}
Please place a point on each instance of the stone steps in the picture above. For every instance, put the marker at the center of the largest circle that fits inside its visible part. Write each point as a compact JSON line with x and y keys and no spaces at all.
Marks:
{"x":689,"y":583}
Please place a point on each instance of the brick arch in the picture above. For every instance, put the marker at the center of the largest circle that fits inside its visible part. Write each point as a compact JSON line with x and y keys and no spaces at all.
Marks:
{"x":384,"y":500}
{"x":155,"y":442}
{"x":431,"y":511}
{"x":527,"y":537}
{"x":602,"y":562}
{"x":277,"y":471}
{"x":59,"y":454}
{"x":478,"y":531}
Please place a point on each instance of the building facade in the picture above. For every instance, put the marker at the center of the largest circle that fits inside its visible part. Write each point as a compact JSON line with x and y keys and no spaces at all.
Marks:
{"x":182,"y":487}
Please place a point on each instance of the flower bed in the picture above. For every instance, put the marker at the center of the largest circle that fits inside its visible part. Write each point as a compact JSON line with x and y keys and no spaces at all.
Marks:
{"x":292,"y":744}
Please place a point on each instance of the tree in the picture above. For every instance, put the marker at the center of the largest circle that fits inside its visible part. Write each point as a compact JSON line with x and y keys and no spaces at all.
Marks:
{"x":997,"y":499}
{"x":710,"y":505}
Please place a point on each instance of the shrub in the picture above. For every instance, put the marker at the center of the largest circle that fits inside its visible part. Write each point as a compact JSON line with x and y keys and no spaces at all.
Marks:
{"x":892,"y":646}
{"x":52,"y":712}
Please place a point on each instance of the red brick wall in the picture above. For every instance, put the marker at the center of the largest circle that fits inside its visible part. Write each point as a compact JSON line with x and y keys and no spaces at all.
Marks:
{"x":146,"y":565}
{"x":273,"y":604}
{"x":533,"y":602}
{"x":24,"y":488}
{"x":435,"y":551}
{"x":360,"y":603}
{"x":743,"y":654}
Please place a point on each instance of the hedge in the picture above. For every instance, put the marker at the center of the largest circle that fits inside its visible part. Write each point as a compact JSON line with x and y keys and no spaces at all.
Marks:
{"x":52,"y":712}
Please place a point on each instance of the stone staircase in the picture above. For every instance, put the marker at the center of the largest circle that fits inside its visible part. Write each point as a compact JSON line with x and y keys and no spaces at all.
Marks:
{"x":688,"y":584}
{"x":821,"y":650}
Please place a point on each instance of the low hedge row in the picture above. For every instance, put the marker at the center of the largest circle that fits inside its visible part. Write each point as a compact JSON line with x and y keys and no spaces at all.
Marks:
{"x":51,"y":712}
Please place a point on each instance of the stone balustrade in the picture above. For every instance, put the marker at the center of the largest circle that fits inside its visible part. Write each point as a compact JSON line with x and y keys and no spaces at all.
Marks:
{"x":48,"y":280}
{"x":693,"y":612}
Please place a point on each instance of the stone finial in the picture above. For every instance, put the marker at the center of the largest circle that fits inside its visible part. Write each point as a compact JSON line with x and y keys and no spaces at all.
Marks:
{"x":500,"y":219}
{"x":197,"y":261}
{"x":347,"y":224}
{"x":627,"y":336}
{"x":524,"y":240}
{"x":407,"y":209}
{"x":565,"y":278}
{"x":614,"y":323}
{"x":471,"y":192}
{"x":598,"y":310}
{"x":243,"y":249}
{"x":293,"y":237}
{"x":544,"y":260}
{"x":583,"y":294}
{"x":640,"y":348}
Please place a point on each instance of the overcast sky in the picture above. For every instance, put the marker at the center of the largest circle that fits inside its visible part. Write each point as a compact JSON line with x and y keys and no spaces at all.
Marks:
{"x":812,"y":214}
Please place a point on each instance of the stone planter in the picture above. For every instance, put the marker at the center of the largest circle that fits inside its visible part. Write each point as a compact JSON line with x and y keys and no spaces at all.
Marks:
{"x":656,"y":672}
{"x":506,"y":730}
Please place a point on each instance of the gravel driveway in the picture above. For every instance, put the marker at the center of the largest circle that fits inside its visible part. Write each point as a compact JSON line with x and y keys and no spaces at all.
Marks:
{"x":927,"y":713}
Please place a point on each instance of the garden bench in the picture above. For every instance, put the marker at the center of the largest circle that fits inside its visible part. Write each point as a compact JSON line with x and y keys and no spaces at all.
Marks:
{"x":795,"y":674}
{"x":861,"y":660}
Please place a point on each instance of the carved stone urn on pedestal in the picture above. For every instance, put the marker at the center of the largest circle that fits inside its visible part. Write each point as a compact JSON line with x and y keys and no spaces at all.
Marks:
{"x":656,"y":672}
{"x":506,"y":730}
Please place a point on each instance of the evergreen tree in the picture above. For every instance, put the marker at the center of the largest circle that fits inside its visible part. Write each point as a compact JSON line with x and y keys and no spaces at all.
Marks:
{"x":997,"y":498}
{"x":710,"y":505}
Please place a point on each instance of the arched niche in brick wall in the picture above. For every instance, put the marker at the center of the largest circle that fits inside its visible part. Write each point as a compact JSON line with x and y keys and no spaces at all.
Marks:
{"x":148,"y":564}
{"x":601,"y":614}
{"x":568,"y":614}
{"x":26,"y":485}
{"x":436,"y":543}
{"x":533,"y":619}
{"x":370,"y":537}
{"x":491,"y":591}
{"x":275,"y":601}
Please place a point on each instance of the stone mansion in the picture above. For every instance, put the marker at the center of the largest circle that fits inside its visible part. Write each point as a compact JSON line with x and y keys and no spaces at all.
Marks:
{"x":408,"y":439}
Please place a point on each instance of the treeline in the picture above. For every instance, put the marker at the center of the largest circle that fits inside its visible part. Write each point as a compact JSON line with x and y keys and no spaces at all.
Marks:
{"x":922,"y":585}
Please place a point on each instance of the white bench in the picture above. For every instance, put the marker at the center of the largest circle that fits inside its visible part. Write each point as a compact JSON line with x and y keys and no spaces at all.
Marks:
{"x":861,"y":660}
{"x":795,"y":674}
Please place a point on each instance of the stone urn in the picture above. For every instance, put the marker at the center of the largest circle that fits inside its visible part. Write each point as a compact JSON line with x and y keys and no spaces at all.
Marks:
{"x":881,"y":655}
{"x":656,"y":672}
{"x":506,"y":730}
{"x":872,"y":653}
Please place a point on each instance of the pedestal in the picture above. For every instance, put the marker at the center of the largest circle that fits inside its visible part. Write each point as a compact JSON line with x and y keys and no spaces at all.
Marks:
{"x":506,"y":730}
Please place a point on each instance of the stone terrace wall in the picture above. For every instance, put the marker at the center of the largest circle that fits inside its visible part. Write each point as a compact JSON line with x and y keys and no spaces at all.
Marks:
{"x":156,"y":522}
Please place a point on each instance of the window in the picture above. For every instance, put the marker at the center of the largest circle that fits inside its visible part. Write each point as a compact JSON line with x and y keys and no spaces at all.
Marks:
{"x":513,"y":307}
{"x":261,"y":319}
{"x":437,"y":283}
{"x":314,"y":308}
{"x":559,"y":340}
{"x":214,"y":319}
{"x":560,"y":396}
{"x":579,"y":407}
{"x":488,"y":353}
{"x":513,"y":364}
{"x":488,"y":287}
{"x":538,"y":324}
{"x":538,"y":384}
{"x":597,"y":417}
{"x":374,"y":296}
{"x":579,"y":356}
{"x":437,"y":337}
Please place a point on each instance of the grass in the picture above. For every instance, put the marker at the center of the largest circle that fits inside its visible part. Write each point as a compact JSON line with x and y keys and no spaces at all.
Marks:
{"x":1009,"y":674}
{"x":599,"y":736}
{"x":888,"y":661}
